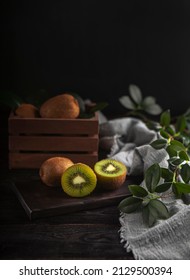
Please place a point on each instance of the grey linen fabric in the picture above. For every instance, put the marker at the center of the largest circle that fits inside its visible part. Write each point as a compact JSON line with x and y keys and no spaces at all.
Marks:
{"x":127,"y":140}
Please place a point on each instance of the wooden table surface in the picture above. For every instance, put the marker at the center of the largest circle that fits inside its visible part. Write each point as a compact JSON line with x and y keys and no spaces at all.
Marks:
{"x":89,"y":234}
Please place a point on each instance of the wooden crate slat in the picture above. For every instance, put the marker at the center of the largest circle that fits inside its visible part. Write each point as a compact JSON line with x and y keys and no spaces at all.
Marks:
{"x":53,"y":126}
{"x":31,"y":141}
{"x":54,"y":143}
{"x":34,"y":160}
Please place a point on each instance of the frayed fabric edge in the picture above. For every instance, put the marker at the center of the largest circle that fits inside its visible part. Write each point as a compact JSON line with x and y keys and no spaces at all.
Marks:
{"x":127,"y":246}
{"x":125,"y":242}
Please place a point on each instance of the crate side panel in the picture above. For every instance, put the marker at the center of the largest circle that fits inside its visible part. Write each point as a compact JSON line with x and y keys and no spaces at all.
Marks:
{"x":53,"y":126}
{"x":54,"y":143}
{"x":32,"y":160}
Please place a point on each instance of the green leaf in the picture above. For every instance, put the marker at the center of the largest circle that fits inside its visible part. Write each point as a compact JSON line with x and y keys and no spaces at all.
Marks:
{"x":185,"y":139}
{"x":138,"y":191}
{"x":152,"y":177}
{"x":181,"y":123}
{"x":185,"y":173}
{"x":148,"y":100}
{"x":183,"y":155}
{"x":148,"y":217}
{"x":177,"y":146}
{"x":182,"y":187}
{"x":135,"y":93}
{"x":98,"y":107}
{"x":153,"y":125}
{"x":170,"y":130}
{"x":160,"y":208}
{"x":171,"y":152}
{"x":164,"y":134}
{"x":129,"y":204}
{"x":159,"y":144}
{"x":154,"y":210}
{"x":165,"y":118}
{"x":163,"y":187}
{"x":167,"y":174}
{"x":127,"y":102}
{"x":153,"y":109}
{"x":175,"y":191}
{"x":175,"y":161}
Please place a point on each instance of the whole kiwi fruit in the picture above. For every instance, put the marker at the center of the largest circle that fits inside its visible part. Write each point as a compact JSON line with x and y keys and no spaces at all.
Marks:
{"x":111,"y":173}
{"x":52,"y":169}
{"x":78,"y":180}
{"x":64,"y":106}
{"x":26,"y":110}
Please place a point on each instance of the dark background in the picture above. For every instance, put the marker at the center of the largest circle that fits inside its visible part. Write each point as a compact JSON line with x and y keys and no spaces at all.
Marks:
{"x":98,"y":48}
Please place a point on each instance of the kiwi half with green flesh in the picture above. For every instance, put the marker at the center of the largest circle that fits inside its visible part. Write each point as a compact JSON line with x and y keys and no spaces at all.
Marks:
{"x":111,"y":174}
{"x":78,"y":180}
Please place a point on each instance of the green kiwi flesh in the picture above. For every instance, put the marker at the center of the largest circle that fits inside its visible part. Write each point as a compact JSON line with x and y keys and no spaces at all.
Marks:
{"x":78,"y":180}
{"x":111,"y":174}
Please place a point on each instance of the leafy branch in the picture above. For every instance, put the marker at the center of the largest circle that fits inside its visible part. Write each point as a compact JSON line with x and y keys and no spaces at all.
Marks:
{"x":139,"y":105}
{"x":174,"y":137}
{"x":147,"y":198}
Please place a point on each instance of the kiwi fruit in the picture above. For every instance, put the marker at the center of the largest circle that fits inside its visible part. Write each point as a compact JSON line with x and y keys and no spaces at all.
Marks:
{"x":78,"y":180}
{"x":26,"y":110}
{"x":111,"y":173}
{"x":63,"y":106}
{"x":52,"y":169}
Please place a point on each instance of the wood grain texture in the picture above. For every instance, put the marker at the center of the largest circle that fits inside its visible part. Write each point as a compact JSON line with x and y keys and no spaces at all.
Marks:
{"x":53,"y":126}
{"x":31,"y":141}
{"x":61,"y":242}
{"x":53,"y":143}
{"x":87,"y":234}
{"x":34,"y":160}
{"x":38,"y":200}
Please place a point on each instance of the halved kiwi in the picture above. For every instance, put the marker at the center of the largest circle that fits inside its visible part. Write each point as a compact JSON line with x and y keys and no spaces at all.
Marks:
{"x":78,"y":180}
{"x":110,"y":173}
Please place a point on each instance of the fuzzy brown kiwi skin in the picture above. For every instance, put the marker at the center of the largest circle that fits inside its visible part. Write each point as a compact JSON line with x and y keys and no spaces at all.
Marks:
{"x":26,"y":110}
{"x":111,"y":183}
{"x":63,"y":106}
{"x":52,"y":169}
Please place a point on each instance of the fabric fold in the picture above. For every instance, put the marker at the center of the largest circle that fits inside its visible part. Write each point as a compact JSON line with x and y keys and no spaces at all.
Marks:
{"x":128,"y":140}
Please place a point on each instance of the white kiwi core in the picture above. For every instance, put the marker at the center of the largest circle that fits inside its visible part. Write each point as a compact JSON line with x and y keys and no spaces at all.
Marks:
{"x":78,"y":180}
{"x":110,"y":168}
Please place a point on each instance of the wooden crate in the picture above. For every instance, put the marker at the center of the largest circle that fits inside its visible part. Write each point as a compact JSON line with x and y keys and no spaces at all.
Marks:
{"x":31,"y":141}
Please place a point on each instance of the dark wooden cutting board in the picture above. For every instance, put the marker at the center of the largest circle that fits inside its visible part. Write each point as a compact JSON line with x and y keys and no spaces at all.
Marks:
{"x":38,"y":200}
